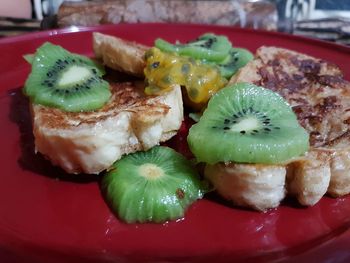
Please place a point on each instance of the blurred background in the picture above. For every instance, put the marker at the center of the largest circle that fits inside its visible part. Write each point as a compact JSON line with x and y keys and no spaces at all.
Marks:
{"x":323,"y":19}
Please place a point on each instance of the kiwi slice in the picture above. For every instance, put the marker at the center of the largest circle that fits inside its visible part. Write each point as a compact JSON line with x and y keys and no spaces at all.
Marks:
{"x":245,"y":123}
{"x":67,"y":81}
{"x":207,"y":47}
{"x":29,"y":58}
{"x":153,"y":186}
{"x":212,"y":42}
{"x":236,"y":59}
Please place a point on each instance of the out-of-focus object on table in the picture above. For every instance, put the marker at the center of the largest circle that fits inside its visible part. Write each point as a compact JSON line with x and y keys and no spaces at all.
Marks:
{"x":332,"y":29}
{"x":10,"y":26}
{"x":16,"y":8}
{"x":260,"y":14}
{"x":15,"y":17}
{"x":322,"y":19}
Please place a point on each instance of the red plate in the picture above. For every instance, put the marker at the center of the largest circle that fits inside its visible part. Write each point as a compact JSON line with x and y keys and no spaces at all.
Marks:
{"x":43,"y":219}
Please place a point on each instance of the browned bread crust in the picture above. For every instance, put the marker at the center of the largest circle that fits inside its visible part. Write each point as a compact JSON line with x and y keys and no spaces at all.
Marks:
{"x":119,"y":54}
{"x":90,"y":142}
{"x":320,"y":98}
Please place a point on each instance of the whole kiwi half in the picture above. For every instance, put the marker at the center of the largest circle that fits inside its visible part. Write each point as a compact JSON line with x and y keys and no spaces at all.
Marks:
{"x":152,"y":186}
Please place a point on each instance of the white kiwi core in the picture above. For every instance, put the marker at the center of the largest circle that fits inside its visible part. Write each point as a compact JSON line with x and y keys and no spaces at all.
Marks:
{"x":150,"y":171}
{"x":74,"y":74}
{"x":249,"y":123}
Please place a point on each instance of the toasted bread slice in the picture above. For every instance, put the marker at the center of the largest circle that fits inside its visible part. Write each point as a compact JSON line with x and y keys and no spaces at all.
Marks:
{"x":256,"y":186}
{"x":120,"y":54}
{"x":90,"y":142}
{"x":320,"y":97}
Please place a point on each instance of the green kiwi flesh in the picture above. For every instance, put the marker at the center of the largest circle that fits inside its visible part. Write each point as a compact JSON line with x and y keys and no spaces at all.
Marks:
{"x":236,"y":59}
{"x":152,"y":186}
{"x":212,"y":42}
{"x":245,"y":123}
{"x":29,"y":58}
{"x":64,"y":80}
{"x":207,"y":47}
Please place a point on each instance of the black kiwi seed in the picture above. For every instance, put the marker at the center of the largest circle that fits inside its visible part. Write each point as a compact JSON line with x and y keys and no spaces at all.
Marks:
{"x":208,"y":43}
{"x":226,"y":128}
{"x":267,"y":129}
{"x":242,"y":132}
{"x":226,"y":121}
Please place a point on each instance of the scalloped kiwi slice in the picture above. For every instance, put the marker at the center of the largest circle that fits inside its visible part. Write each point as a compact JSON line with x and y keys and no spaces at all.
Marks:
{"x":245,"y":123}
{"x":153,"y":186}
{"x":64,"y":80}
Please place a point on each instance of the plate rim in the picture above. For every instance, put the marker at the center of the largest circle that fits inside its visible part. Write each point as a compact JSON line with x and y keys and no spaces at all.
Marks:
{"x":77,"y":29}
{"x":47,"y":33}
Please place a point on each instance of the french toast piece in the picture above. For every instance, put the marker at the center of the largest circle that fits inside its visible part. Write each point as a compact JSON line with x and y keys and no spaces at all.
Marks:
{"x":90,"y":142}
{"x":256,"y":186}
{"x":320,"y":98}
{"x":119,"y":54}
{"x":308,"y":178}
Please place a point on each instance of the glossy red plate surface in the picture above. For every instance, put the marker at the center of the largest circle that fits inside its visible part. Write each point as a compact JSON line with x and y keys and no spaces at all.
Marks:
{"x":43,"y":219}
